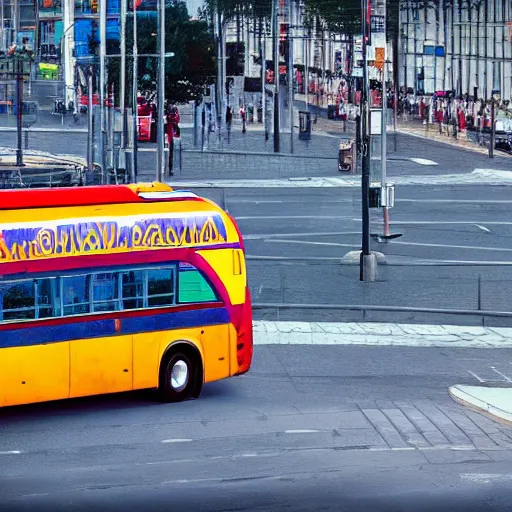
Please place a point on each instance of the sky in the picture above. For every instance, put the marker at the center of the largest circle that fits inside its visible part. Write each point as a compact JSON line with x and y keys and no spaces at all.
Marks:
{"x":193,"y":5}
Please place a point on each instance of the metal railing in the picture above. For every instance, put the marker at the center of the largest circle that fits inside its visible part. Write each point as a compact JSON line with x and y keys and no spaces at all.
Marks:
{"x":482,"y":315}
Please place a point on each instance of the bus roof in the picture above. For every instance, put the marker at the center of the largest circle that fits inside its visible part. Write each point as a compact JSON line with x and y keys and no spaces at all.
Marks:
{"x":93,"y":195}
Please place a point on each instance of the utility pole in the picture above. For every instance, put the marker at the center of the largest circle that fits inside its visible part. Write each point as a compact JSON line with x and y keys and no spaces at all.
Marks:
{"x":133,"y":177}
{"x":67,"y":35}
{"x":122,"y":85}
{"x":160,"y":172}
{"x":383,"y":136}
{"x":19,"y":110}
{"x":306,"y":69}
{"x":368,"y":262}
{"x":220,"y":58}
{"x":263,"y":37}
{"x":290,"y":73}
{"x":275,"y":42}
{"x":90,"y":124}
{"x":103,"y":53}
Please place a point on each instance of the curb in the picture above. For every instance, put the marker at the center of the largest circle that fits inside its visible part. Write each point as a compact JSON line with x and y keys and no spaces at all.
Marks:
{"x":354,"y":257}
{"x":478,"y":405}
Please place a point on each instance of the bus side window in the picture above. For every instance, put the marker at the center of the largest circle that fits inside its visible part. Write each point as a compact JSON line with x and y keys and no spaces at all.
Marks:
{"x":75,"y":295}
{"x":18,"y":300}
{"x":193,"y":287}
{"x":45,"y":290}
{"x":161,"y":287}
{"x":106,"y":292}
{"x":132,"y":283}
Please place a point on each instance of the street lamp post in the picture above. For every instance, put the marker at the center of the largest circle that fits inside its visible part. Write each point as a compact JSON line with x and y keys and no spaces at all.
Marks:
{"x":18,"y":57}
{"x":368,"y":262}
{"x":275,"y":42}
{"x":161,"y":94}
{"x":19,"y":112}
{"x":135,"y":81}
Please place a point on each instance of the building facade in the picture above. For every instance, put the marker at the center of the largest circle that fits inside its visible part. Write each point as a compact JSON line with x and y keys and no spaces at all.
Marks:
{"x":68,"y":41}
{"x":455,"y":45}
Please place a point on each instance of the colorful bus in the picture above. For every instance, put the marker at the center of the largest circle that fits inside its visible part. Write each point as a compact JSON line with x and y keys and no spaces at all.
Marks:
{"x":115,"y":288}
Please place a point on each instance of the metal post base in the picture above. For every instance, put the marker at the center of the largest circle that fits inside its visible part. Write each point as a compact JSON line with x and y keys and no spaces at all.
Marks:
{"x":368,"y":266}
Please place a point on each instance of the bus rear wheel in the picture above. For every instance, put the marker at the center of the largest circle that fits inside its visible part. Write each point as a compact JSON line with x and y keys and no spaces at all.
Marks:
{"x":178,"y":378}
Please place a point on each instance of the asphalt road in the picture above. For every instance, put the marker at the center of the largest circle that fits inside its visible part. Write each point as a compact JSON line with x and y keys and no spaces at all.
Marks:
{"x":455,"y":251}
{"x":309,"y":428}
{"x":317,"y":157}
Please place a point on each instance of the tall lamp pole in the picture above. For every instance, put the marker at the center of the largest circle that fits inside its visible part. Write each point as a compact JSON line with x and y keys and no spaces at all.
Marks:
{"x":19,"y":111}
{"x":122,"y":86}
{"x":133,"y":173}
{"x":290,"y":72}
{"x":275,"y":42}
{"x":103,"y":53}
{"x":368,"y":262}
{"x":161,"y":94}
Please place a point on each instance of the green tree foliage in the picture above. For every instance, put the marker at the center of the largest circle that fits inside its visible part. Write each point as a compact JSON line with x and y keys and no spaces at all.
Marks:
{"x":343,"y":17}
{"x":193,"y":66}
{"x":230,"y":8}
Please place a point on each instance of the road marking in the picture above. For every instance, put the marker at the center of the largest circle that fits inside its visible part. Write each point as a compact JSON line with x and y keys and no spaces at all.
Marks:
{"x":462,"y":201}
{"x":486,"y":478}
{"x":423,"y":161}
{"x":298,"y":258}
{"x":483,"y":228}
{"x":508,"y":379}
{"x":177,"y":440}
{"x":308,"y":242}
{"x":476,"y":377}
{"x":258,"y":201}
{"x":11,"y":452}
{"x":472,"y":247}
{"x":293,"y":217}
{"x":302,"y":431}
{"x":291,"y":235}
{"x":442,"y":222}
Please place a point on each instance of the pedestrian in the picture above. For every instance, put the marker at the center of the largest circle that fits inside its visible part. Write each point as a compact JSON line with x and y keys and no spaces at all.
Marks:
{"x":173,"y":131}
{"x":243,"y":117}
{"x":154,"y":120}
{"x":229,"y":119}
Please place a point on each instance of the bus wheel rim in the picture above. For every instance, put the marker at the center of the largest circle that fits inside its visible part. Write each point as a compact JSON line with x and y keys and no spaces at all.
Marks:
{"x":179,"y":375}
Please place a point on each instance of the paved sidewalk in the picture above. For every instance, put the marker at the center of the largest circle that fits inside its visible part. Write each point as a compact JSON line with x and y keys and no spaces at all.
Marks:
{"x":477,"y":177}
{"x":494,"y":402}
{"x":431,"y":132}
{"x":379,"y":334}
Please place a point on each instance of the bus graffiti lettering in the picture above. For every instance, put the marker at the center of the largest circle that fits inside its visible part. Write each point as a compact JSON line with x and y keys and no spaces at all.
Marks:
{"x":103,"y":237}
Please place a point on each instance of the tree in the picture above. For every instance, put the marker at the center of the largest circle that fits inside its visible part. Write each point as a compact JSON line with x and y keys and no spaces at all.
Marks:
{"x":230,"y":8}
{"x":340,"y":17}
{"x":193,"y":66}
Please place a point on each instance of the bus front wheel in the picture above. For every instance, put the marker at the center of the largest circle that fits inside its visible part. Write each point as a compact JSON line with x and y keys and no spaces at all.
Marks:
{"x":179,"y":376}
